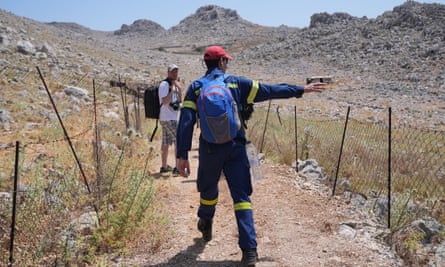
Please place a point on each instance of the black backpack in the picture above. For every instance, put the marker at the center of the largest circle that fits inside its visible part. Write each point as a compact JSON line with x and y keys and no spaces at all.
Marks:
{"x":151,"y":101}
{"x":151,"y":104}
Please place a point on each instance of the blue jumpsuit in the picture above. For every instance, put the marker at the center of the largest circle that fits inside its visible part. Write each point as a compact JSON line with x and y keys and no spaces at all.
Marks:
{"x":229,"y":158}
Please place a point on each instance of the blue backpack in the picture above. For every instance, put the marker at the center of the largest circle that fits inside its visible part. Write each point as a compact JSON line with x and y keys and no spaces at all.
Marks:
{"x":218,"y":111}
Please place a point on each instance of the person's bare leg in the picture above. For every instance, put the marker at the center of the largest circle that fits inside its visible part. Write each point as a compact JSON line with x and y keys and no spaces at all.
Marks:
{"x":164,"y":154}
{"x":177,"y":160}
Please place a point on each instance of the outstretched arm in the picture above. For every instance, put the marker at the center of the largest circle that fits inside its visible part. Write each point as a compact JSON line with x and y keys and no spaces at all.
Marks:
{"x":274,"y":91}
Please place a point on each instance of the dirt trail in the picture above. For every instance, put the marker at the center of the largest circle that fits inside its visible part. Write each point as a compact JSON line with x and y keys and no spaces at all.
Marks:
{"x":297,"y":223}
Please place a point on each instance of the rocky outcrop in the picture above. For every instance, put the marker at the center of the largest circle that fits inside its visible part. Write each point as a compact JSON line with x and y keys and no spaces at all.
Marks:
{"x":70,"y":26}
{"x":141,"y":27}
{"x":212,"y":24}
{"x":327,"y":19}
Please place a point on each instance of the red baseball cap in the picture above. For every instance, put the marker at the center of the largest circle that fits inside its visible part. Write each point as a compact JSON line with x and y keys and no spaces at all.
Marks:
{"x":215,"y":52}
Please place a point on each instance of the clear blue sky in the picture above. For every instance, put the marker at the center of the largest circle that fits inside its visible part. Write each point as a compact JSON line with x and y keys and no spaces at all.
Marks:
{"x":109,"y":15}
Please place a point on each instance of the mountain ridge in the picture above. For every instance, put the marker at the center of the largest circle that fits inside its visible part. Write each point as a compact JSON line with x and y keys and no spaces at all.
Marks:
{"x":398,"y":53}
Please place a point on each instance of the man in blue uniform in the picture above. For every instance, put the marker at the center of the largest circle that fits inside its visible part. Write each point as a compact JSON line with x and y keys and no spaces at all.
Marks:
{"x":231,"y":157}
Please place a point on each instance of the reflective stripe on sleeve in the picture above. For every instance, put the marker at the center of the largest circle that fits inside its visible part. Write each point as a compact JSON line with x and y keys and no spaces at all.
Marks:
{"x":189,"y":104}
{"x":253,"y":92}
{"x":232,"y":85}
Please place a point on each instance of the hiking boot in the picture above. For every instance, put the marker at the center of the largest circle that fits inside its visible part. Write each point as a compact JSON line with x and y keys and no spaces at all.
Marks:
{"x":250,"y":257}
{"x":205,"y":227}
{"x":166,"y":169}
{"x":176,"y":172}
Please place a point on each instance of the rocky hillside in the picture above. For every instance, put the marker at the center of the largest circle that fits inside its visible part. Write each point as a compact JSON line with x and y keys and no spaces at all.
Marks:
{"x":394,"y":60}
{"x":398,"y":55}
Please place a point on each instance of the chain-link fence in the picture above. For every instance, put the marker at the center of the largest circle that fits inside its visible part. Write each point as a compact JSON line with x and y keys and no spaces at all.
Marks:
{"x":395,"y":164}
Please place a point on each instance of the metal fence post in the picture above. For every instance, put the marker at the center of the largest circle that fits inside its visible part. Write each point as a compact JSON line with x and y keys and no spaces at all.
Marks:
{"x":389,"y":167}
{"x":341,"y":150}
{"x":296,"y":138}
{"x":14,"y":204}
{"x":265,"y":127}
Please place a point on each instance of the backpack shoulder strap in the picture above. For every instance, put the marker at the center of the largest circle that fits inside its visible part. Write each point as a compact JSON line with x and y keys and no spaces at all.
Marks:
{"x":168,"y":81}
{"x":225,"y":77}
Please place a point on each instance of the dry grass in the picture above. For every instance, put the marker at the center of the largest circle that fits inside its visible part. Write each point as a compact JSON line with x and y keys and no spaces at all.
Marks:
{"x":117,"y":186}
{"x":417,"y":156}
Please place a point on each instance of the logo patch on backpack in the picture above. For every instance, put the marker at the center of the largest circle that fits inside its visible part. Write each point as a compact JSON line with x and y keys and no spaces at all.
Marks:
{"x":218,"y":111}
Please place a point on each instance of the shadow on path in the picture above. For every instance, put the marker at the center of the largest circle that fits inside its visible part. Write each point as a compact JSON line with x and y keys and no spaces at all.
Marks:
{"x":188,"y":257}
